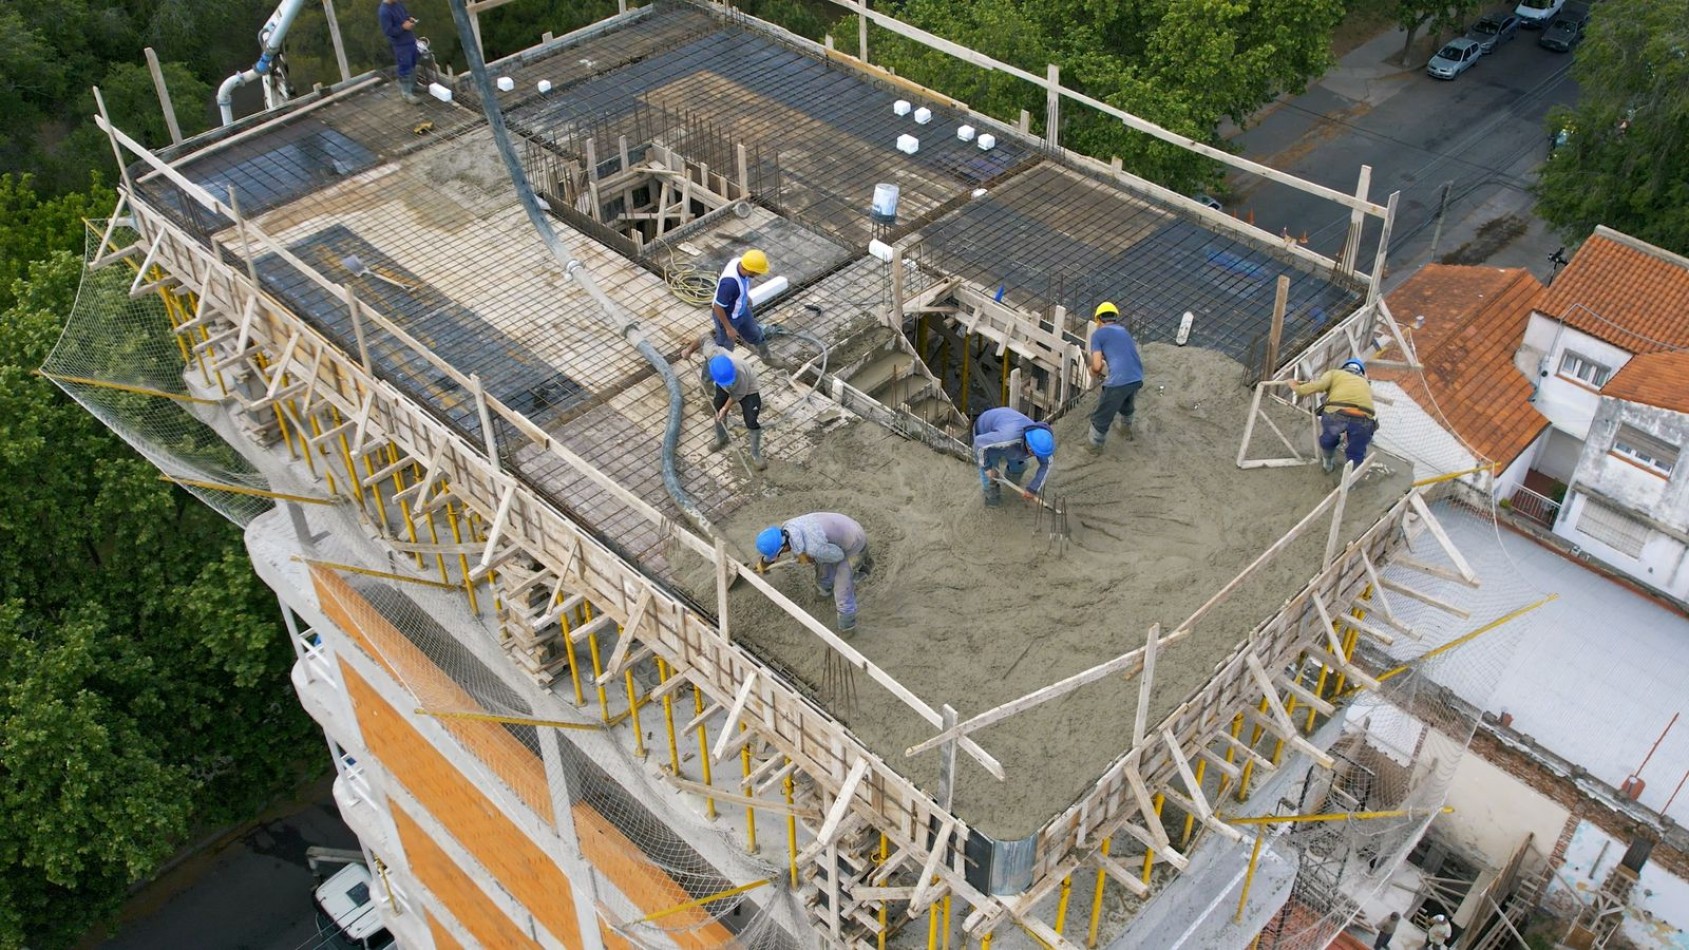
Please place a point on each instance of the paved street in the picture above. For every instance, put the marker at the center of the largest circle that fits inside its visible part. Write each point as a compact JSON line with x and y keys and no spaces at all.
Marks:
{"x":1483,"y":131}
{"x":251,"y":893}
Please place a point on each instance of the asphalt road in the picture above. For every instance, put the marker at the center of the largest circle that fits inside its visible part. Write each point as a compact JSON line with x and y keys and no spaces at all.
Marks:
{"x":251,"y":893}
{"x":1483,"y":132}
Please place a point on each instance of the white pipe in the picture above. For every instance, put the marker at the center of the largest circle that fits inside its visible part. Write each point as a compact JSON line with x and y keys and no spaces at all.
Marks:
{"x":270,"y":40}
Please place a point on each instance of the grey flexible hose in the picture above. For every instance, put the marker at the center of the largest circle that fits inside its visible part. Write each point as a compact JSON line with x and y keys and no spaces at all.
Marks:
{"x":615,"y":318}
{"x":780,"y":330}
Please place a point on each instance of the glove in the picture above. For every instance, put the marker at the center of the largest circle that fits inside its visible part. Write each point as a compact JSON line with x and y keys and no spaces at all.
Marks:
{"x":805,"y":559}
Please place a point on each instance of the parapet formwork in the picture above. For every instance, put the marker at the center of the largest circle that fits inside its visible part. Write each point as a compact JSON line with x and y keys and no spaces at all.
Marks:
{"x":561,"y":582}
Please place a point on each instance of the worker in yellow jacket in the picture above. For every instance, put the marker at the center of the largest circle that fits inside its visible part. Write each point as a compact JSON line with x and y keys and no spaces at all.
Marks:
{"x":1347,"y":415}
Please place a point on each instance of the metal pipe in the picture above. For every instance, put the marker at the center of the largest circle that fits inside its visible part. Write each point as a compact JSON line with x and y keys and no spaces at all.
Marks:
{"x":615,"y":318}
{"x":270,"y":40}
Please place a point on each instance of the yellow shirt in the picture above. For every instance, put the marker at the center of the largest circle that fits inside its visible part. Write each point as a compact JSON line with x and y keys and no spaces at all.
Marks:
{"x":1342,"y":389}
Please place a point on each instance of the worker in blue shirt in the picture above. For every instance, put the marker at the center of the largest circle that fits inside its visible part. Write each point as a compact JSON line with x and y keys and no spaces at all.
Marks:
{"x":730,"y":310}
{"x":1114,"y":358}
{"x":400,"y":28}
{"x":835,"y":544}
{"x":1004,"y":439}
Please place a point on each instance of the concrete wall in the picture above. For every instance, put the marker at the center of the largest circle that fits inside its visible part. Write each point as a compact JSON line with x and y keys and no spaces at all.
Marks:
{"x":1493,"y":811}
{"x":1570,"y":404}
{"x":1659,"y":905}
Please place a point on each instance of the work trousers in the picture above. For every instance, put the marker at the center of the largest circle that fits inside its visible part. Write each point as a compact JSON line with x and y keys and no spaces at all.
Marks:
{"x":840,"y":578}
{"x":404,"y":55}
{"x":750,"y":407}
{"x":744,"y":324}
{"x":1354,"y":431}
{"x":1113,"y":401}
{"x":1010,"y":468}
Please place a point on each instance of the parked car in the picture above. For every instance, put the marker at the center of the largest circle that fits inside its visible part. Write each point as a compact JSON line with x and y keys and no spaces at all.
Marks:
{"x":1455,"y":58}
{"x":1535,"y":14}
{"x":1565,"y":32}
{"x":1492,"y":30}
{"x":1208,"y":201}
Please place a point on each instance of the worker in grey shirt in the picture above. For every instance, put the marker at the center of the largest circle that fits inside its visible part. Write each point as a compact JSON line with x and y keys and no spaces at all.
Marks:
{"x":835,"y":544}
{"x":733,"y":383}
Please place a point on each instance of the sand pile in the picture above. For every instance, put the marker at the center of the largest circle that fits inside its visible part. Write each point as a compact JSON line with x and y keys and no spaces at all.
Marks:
{"x":971,"y":606}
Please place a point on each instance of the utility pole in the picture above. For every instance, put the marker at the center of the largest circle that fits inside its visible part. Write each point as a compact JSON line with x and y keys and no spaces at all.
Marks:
{"x":1442,"y":207}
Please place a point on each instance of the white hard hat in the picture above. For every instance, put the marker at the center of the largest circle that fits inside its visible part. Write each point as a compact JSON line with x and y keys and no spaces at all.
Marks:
{"x":1439,"y":917}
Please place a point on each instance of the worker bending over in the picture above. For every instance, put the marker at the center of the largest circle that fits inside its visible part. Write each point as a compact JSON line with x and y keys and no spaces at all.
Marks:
{"x":732,"y":381}
{"x":830,"y":541}
{"x":731,"y":309}
{"x":1003,"y":441}
{"x":1347,"y":414}
{"x":1114,"y":357}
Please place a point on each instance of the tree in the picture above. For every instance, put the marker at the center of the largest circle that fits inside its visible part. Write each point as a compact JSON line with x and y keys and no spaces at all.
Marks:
{"x":143,"y":668}
{"x":1625,"y":163}
{"x":1440,"y":15}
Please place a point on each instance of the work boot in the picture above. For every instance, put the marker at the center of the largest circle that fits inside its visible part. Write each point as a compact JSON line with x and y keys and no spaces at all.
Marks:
{"x":407,"y":90}
{"x":721,"y":439}
{"x":1328,"y":459}
{"x":993,"y":495}
{"x":769,"y":359}
{"x":847,"y":622}
{"x":1096,"y":443}
{"x":757,"y":461}
{"x":1126,"y":430}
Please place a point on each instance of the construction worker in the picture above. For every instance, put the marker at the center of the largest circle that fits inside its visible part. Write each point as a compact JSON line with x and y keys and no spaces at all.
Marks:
{"x":1440,"y":934}
{"x":733,"y":321}
{"x":400,"y":28}
{"x":1387,"y":931}
{"x":1004,"y":439}
{"x":733,"y":382}
{"x":1114,"y":358}
{"x":829,"y":541}
{"x":1347,"y":414}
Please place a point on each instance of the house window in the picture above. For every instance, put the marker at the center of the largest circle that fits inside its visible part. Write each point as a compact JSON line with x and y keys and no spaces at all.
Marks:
{"x":1577,"y":366}
{"x":1654,"y":454}
{"x":1613,"y":528}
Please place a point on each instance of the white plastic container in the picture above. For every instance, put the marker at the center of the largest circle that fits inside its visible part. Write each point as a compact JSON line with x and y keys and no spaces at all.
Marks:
{"x":439,"y":92}
{"x":768,"y":290}
{"x":987,"y":142}
{"x":908,"y":144}
{"x":884,"y":207}
{"x":506,"y":84}
{"x":965,"y":133}
{"x":901,"y":107}
{"x":923,"y":116}
{"x":880,"y":249}
{"x":1185,"y":328}
{"x":544,"y":86}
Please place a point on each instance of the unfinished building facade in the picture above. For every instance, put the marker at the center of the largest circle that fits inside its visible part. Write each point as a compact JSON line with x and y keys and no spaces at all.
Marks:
{"x":563,"y":708}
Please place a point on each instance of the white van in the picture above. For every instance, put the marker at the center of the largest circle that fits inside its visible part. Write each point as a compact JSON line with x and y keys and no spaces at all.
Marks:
{"x":347,"y":916}
{"x":1535,"y":14}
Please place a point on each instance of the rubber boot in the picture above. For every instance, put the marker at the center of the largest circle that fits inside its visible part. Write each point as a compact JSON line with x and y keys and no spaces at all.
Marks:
{"x":1328,"y":459}
{"x":1126,"y":430}
{"x":757,"y":461}
{"x":1097,"y":439}
{"x":769,"y":359}
{"x":407,"y":89}
{"x":993,"y":495}
{"x":720,"y":438}
{"x":847,"y":622}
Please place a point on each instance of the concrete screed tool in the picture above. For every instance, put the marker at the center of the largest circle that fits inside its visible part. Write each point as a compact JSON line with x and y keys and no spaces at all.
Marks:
{"x":356,"y":265}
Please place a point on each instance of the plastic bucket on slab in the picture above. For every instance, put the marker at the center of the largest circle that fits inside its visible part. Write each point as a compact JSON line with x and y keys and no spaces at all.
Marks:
{"x":884,"y":207}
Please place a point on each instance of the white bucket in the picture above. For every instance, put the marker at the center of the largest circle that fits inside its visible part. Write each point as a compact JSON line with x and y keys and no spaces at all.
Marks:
{"x":884,"y":207}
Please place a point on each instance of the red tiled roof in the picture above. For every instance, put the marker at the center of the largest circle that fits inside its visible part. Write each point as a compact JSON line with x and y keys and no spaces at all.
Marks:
{"x":1616,"y":291}
{"x":1653,"y":379}
{"x":1475,"y":318}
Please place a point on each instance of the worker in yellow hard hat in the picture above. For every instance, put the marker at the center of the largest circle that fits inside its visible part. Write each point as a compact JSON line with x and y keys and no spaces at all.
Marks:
{"x":1114,"y":360}
{"x":733,"y":320}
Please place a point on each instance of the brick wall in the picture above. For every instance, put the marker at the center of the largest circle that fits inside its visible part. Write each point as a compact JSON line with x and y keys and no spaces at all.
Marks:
{"x":490,"y":925}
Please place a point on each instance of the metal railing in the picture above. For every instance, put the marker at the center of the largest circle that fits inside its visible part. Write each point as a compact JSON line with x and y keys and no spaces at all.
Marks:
{"x":1538,"y":508}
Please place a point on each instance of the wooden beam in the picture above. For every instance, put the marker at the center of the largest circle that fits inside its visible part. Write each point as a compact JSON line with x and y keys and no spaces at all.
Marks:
{"x":841,"y":805}
{"x":1121,"y":876}
{"x":1417,"y":500}
{"x":613,"y":668}
{"x":924,"y":891}
{"x":750,"y":801}
{"x":1146,"y":682}
{"x":729,"y":726}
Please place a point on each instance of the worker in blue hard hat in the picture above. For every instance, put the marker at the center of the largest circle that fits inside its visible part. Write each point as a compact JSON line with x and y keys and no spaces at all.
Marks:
{"x":1114,"y":359}
{"x":830,"y":541}
{"x":731,"y":380}
{"x":1347,"y":415}
{"x":1004,"y":440}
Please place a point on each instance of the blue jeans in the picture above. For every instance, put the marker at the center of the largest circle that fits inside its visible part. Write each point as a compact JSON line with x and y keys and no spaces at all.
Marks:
{"x":1112,"y":401}
{"x":1010,"y":468}
{"x":1354,"y":431}
{"x":746,"y":326}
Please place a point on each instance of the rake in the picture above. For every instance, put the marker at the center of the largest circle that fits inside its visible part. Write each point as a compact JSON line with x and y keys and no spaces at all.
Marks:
{"x":356,"y":265}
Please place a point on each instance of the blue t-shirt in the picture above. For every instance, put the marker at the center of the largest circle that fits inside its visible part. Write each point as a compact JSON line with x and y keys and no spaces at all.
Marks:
{"x":1120,"y":352}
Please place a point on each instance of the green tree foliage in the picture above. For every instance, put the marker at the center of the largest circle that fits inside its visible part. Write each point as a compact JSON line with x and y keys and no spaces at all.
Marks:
{"x":143,"y":671}
{"x":1625,"y":161}
{"x":1440,"y":15}
{"x":1183,"y":64}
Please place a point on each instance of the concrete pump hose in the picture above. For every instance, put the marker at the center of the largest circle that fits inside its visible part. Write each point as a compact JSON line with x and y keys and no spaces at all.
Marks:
{"x":615,"y":318}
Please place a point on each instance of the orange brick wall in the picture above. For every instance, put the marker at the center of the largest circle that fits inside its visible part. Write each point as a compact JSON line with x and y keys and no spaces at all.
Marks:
{"x":649,"y":887}
{"x":443,"y":939}
{"x":490,"y":925}
{"x":510,"y":760}
{"x":501,"y":847}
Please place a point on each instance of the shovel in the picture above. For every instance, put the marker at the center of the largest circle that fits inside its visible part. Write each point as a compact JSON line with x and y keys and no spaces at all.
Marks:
{"x":1017,"y":490}
{"x":356,"y":265}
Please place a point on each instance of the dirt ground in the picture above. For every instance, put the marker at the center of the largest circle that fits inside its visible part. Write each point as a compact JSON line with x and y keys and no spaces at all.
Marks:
{"x":974,"y":607}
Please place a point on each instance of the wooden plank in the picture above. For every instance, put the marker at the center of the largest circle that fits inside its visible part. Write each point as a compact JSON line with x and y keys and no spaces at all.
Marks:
{"x":1120,"y":875}
{"x":730,"y":726}
{"x":841,"y":805}
{"x":1417,"y":500}
{"x":925,"y":892}
{"x":1426,"y":599}
{"x":1146,"y":682}
{"x":775,"y":805}
{"x":614,"y":667}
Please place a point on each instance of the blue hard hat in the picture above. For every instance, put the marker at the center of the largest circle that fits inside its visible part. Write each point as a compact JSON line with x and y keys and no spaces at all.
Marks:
{"x":722,"y":371}
{"x":770,"y":541}
{"x":1041,"y":442}
{"x":1355,"y":366}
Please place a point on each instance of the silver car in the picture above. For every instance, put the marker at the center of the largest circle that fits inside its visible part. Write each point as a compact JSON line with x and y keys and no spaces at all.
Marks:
{"x":1492,"y":30}
{"x":1455,"y":58}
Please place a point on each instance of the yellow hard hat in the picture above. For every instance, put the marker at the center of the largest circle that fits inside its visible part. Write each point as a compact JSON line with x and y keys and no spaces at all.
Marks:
{"x":754,"y":261}
{"x":1104,"y":309}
